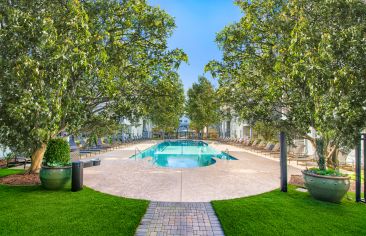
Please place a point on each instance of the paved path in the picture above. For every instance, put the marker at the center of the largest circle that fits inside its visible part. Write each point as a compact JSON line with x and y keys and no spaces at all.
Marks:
{"x":179,"y":218}
{"x":120,"y":175}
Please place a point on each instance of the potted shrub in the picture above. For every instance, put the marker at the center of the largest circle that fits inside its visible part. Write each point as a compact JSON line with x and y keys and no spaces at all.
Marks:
{"x":325,"y":184}
{"x":56,"y":169}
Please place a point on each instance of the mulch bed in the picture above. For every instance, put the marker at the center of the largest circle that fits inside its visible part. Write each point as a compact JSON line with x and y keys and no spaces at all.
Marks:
{"x":297,"y":180}
{"x":2,"y":163}
{"x":21,"y":179}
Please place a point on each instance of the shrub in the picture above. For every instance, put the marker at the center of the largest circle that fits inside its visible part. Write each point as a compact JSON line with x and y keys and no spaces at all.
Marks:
{"x":57,"y":153}
{"x":327,"y":172}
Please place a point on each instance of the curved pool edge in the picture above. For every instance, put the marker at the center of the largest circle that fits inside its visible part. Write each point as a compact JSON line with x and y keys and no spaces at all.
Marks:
{"x":120,"y":176}
{"x":182,"y":154}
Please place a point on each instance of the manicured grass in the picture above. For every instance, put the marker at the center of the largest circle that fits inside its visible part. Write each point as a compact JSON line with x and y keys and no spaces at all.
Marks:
{"x":6,"y":172}
{"x":292,"y":213}
{"x":34,"y":211}
{"x":353,"y":177}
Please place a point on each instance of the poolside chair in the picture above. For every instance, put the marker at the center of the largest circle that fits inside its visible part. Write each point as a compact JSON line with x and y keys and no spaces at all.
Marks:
{"x":236,"y":141}
{"x":72,"y":143}
{"x":298,"y":154}
{"x":253,"y":144}
{"x":342,"y":161}
{"x":259,"y":146}
{"x":268,"y":148}
{"x":245,"y":143}
{"x":82,"y":143}
{"x":275,"y":150}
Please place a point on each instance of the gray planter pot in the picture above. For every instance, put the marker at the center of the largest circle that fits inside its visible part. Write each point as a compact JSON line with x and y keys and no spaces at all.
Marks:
{"x":326,"y":188}
{"x":54,"y":178}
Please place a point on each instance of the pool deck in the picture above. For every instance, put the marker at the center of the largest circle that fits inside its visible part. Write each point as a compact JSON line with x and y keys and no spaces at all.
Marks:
{"x":120,"y":175}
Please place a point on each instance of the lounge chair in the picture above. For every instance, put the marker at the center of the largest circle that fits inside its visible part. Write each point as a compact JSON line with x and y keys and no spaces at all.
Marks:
{"x":267,"y":148}
{"x":245,"y":143}
{"x":259,"y":146}
{"x":253,"y":144}
{"x":298,"y":154}
{"x":276,"y":150}
{"x":342,"y":161}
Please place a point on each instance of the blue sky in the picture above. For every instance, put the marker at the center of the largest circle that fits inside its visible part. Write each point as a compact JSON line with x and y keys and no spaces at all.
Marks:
{"x":197,"y":22}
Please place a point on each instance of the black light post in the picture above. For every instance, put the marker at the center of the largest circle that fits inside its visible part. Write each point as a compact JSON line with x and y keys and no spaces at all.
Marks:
{"x":283,"y":161}
{"x":364,"y":164}
{"x":358,"y":171}
{"x":358,"y":168}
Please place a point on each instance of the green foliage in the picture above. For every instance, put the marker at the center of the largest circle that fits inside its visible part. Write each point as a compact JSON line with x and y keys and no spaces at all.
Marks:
{"x":297,"y":65}
{"x":291,"y":213}
{"x":42,"y":47}
{"x":5,"y":172}
{"x":202,"y":105}
{"x":64,"y":62}
{"x":55,"y":209}
{"x":267,"y":131}
{"x":166,"y":108}
{"x":9,"y":156}
{"x":57,"y":153}
{"x":327,"y":172}
{"x":98,"y":126}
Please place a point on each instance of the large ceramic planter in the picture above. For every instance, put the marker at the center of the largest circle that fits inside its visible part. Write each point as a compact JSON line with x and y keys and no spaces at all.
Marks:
{"x":54,"y":178}
{"x":326,"y":188}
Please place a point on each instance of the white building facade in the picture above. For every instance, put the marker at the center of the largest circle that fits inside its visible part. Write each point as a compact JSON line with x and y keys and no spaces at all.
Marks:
{"x":141,"y":129}
{"x":235,"y":128}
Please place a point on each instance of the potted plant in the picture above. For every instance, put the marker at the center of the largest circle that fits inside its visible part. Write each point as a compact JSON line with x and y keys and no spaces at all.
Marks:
{"x":56,"y":169}
{"x":325,"y":184}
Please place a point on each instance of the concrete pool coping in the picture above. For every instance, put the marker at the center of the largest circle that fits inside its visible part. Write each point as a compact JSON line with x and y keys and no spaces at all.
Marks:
{"x":119,"y":175}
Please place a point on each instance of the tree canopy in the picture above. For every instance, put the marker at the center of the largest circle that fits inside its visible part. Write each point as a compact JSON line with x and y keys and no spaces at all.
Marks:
{"x":166,"y":109}
{"x":298,"y":65}
{"x":63,"y":62}
{"x":202,"y":105}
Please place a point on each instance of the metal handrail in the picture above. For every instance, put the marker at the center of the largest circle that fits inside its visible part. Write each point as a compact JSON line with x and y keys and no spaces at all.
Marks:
{"x":136,"y":149}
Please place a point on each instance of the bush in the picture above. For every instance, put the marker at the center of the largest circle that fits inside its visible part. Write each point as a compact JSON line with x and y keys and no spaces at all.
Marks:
{"x":57,"y":153}
{"x":327,"y":172}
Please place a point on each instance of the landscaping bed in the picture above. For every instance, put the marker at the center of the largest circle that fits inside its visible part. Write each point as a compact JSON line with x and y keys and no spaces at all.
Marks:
{"x":20,"y":179}
{"x":292,"y":213}
{"x":17,"y":177}
{"x":6,"y":172}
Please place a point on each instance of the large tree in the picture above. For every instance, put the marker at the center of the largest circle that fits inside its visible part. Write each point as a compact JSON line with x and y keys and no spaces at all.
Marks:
{"x":166,"y":109}
{"x":298,"y":65}
{"x":202,"y":105}
{"x":63,"y":62}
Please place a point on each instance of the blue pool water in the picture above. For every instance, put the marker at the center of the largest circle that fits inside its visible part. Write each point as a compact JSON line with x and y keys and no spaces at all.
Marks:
{"x":183,"y":154}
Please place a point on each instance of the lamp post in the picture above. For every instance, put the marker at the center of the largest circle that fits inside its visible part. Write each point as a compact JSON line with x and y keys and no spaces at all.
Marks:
{"x":283,"y":157}
{"x":283,"y":161}
{"x":358,"y":166}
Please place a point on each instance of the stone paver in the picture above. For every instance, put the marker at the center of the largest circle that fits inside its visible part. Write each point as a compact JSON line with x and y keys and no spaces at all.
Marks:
{"x":122,"y":176}
{"x":179,"y":218}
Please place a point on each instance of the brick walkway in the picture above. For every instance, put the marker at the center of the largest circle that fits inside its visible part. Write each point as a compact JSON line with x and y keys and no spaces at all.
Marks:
{"x":179,"y":218}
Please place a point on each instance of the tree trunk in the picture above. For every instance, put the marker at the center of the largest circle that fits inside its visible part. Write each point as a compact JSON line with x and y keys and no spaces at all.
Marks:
{"x":321,"y":153}
{"x":331,"y":155}
{"x":37,"y":157}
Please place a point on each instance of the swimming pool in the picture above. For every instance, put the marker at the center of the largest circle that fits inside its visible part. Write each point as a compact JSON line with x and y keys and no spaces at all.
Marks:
{"x":183,"y":154}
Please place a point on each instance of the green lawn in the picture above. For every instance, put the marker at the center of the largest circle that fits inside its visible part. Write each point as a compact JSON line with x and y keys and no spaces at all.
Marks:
{"x":292,"y":213}
{"x":5,"y":172}
{"x":353,"y":177}
{"x":34,"y":211}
